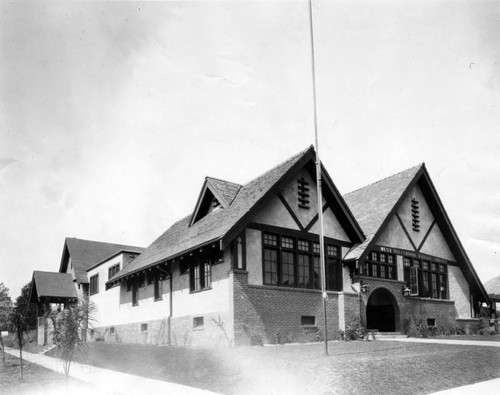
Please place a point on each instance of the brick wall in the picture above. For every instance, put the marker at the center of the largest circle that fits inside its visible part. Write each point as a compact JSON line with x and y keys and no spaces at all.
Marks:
{"x":273,"y":314}
{"x":407,"y":308}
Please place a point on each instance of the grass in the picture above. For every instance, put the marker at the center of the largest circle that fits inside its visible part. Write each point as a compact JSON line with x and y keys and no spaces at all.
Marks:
{"x":352,"y":368}
{"x":29,"y":341}
{"x":36,"y":380}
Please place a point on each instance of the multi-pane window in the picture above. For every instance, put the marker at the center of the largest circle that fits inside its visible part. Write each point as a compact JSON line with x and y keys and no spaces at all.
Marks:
{"x":94,"y":284}
{"x":158,"y":286}
{"x":201,"y":275}
{"x":135,"y":293}
{"x":293,"y":262}
{"x":288,"y":264}
{"x":379,"y":264}
{"x":150,"y":277}
{"x":431,"y":278}
{"x":270,"y":266}
{"x":304,"y":270}
{"x":113,"y":270}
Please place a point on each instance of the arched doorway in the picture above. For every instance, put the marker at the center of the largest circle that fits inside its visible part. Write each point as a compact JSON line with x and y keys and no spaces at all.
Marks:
{"x":381,"y":311}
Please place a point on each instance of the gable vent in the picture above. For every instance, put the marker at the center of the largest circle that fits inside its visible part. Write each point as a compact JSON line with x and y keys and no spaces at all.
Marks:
{"x":303,"y":193}
{"x":215,"y":203}
{"x":415,"y":215}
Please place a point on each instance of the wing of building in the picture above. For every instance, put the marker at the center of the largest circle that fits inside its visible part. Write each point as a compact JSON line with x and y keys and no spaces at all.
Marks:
{"x":243,"y":266}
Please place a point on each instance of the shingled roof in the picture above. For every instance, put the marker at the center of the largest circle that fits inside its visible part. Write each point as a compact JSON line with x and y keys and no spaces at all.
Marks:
{"x":493,"y":287}
{"x":372,"y":204}
{"x":221,"y":224}
{"x":86,"y":253}
{"x":227,"y":190}
{"x":50,"y":285}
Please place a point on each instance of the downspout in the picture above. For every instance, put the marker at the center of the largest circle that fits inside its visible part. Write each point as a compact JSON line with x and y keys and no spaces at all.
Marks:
{"x":171,"y":304}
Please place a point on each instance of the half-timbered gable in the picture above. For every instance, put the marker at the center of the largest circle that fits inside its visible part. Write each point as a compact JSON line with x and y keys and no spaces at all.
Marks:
{"x":412,"y":253}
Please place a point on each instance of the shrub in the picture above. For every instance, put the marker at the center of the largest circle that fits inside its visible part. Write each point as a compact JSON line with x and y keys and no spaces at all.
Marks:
{"x":355,"y":332}
{"x":416,"y":326}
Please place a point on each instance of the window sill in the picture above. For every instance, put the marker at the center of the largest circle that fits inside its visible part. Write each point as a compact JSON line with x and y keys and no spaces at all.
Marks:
{"x":422,"y":298}
{"x":365,"y":277}
{"x":158,"y":299}
{"x":198,"y":329}
{"x":200,"y":290}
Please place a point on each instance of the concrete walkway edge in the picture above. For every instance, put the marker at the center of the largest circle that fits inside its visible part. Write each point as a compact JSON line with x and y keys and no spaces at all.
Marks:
{"x":445,"y":341}
{"x":110,"y":381}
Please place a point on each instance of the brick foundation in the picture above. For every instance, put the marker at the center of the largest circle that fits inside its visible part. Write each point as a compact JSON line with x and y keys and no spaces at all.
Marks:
{"x":183,"y":333}
{"x":272,"y":315}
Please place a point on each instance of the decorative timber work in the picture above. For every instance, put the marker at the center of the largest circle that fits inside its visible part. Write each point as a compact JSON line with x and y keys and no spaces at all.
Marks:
{"x":415,"y":215}
{"x":303,"y":193}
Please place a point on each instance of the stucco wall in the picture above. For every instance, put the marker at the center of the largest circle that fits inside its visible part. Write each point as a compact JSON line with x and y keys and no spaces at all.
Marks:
{"x":459,"y":292}
{"x":115,"y":308}
{"x":254,"y":256}
{"x":394,"y":234}
{"x":275,"y":213}
{"x":436,"y":245}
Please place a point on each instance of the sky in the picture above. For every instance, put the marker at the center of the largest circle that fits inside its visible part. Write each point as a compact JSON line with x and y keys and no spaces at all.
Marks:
{"x":112,"y":114}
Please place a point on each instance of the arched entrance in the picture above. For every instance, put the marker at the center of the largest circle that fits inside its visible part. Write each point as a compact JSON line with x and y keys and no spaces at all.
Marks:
{"x":381,"y":311}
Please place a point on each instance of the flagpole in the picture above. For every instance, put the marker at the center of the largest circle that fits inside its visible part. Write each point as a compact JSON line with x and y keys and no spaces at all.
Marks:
{"x":324,"y":295}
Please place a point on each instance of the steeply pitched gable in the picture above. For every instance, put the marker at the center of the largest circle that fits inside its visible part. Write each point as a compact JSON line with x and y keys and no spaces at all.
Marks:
{"x":224,"y":225}
{"x":372,"y":204}
{"x":86,"y":253}
{"x":375,"y":205}
{"x":215,"y":194}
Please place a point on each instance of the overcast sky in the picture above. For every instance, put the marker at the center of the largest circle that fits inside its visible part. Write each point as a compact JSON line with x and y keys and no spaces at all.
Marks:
{"x":112,"y":114}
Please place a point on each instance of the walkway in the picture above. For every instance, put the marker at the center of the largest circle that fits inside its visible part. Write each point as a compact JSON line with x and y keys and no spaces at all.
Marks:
{"x":109,"y":381}
{"x":445,"y":341}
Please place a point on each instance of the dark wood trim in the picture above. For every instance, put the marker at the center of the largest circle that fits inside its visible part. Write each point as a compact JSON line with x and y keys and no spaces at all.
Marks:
{"x":287,"y":177}
{"x":290,"y":211}
{"x":426,"y":235}
{"x":450,"y":235}
{"x":315,"y":218}
{"x":295,"y":233}
{"x":336,"y":261}
{"x":337,"y":203}
{"x":406,"y":231}
{"x":391,"y":213}
{"x":243,"y":250}
{"x":234,"y":254}
{"x":412,"y":254}
{"x":341,"y":209}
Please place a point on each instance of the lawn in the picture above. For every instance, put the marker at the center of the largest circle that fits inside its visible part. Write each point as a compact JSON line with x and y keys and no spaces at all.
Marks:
{"x":36,"y":380}
{"x":352,"y":368}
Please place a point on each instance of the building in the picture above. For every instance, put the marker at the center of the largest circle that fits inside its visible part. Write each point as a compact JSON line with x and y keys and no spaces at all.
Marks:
{"x":72,"y":282}
{"x":493,"y":288}
{"x":243,"y":267}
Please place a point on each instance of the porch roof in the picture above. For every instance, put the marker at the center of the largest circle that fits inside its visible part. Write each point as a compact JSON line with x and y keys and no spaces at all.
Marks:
{"x":52,"y":286}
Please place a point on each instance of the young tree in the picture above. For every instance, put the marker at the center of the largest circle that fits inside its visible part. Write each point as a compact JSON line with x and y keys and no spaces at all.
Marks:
{"x":17,"y":324}
{"x":5,"y":308}
{"x":26,"y":308}
{"x":67,"y":327}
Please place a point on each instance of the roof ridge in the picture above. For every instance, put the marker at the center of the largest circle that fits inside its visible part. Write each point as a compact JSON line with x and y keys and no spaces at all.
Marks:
{"x":220,"y":179}
{"x":385,"y":178}
{"x":102,"y":242}
{"x":291,"y":158}
{"x":46,"y":271}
